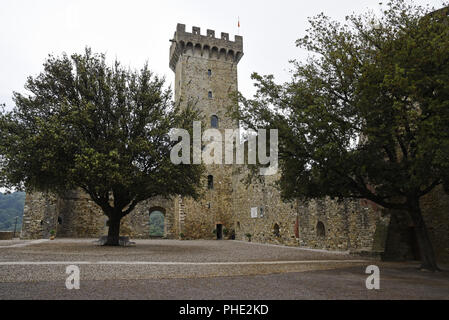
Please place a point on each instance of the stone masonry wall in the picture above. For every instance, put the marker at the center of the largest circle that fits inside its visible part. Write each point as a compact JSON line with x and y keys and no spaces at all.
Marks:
{"x":80,"y":217}
{"x":39,"y":215}
{"x":214,"y":207}
{"x":76,"y":216}
{"x":346,"y":225}
{"x":435,"y":209}
{"x":137,"y":224}
{"x":273,"y":221}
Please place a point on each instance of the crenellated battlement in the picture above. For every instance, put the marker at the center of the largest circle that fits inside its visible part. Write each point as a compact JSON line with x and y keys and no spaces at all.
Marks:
{"x":207,"y":46}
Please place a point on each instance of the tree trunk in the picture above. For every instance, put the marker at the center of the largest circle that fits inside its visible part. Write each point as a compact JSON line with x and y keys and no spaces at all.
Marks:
{"x":425,"y":245}
{"x":113,"y":232}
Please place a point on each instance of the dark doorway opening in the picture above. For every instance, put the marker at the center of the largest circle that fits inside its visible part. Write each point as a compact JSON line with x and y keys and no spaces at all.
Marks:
{"x":219,"y":232}
{"x":210,"y":182}
{"x":276,"y":230}
{"x":320,"y":230}
{"x":297,"y":228}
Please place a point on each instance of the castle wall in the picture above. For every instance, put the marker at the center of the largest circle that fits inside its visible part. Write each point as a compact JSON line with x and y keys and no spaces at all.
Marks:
{"x":435,"y":209}
{"x":77,"y":216}
{"x":137,"y":224}
{"x":346,"y":225}
{"x":268,"y":211}
{"x":80,"y":217}
{"x":358,"y":226}
{"x":40,"y":215}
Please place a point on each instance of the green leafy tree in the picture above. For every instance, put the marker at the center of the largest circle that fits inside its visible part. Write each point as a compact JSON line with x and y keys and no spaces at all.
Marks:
{"x":103,"y":129}
{"x":366,"y":116}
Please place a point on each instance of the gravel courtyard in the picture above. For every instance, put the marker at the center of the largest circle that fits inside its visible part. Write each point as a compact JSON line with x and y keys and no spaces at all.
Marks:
{"x":170,"y":269}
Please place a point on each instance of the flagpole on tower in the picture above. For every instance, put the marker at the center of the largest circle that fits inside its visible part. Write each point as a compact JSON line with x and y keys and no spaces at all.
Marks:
{"x":238,"y":25}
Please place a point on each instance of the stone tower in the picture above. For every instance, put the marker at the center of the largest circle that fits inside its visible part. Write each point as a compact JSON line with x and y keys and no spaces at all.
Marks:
{"x":206,"y":73}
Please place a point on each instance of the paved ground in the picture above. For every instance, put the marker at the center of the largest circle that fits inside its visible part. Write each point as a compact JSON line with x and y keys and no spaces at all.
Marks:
{"x":166,"y":269}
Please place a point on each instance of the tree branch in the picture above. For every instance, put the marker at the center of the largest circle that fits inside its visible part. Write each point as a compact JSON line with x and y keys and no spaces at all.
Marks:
{"x":431,"y":187}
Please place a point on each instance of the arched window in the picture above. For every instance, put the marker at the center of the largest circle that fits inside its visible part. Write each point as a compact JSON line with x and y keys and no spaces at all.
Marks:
{"x":210,"y":182}
{"x":210,"y":94}
{"x":214,"y":121}
{"x":209,"y":72}
{"x":276,"y":230}
{"x":320,"y":230}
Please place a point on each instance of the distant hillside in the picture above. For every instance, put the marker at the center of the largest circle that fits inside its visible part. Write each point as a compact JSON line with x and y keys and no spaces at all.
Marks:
{"x":157,"y":224}
{"x":11,"y":206}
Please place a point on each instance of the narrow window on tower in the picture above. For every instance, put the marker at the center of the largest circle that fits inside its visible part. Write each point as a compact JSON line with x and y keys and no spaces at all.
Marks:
{"x":210,"y":94}
{"x":209,"y":72}
{"x":210,"y":182}
{"x":214,"y":121}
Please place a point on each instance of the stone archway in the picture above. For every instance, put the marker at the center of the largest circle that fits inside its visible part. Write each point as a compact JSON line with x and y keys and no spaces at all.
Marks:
{"x":320,"y":230}
{"x":157,"y":223}
{"x":276,"y":230}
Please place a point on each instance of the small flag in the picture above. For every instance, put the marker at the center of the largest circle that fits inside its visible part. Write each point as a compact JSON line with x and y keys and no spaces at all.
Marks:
{"x":239,"y":22}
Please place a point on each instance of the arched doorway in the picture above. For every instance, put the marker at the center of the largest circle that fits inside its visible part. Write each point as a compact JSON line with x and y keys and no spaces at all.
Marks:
{"x":219,"y":232}
{"x":157,"y":223}
{"x":276,"y":230}
{"x":320,"y":230}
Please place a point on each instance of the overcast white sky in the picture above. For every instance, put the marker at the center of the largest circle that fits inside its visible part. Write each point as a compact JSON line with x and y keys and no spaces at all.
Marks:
{"x":136,"y":31}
